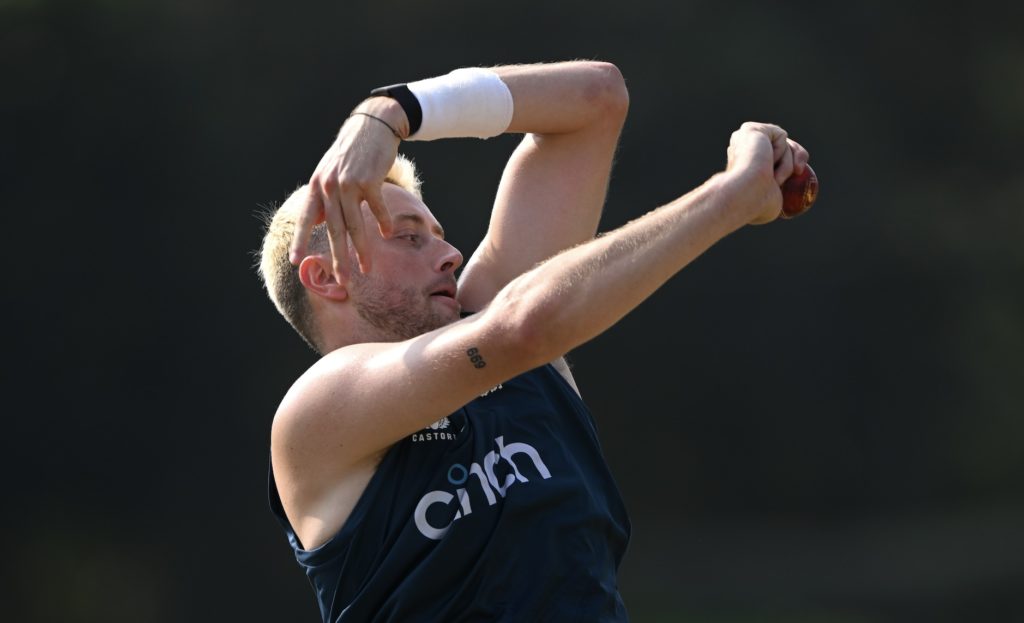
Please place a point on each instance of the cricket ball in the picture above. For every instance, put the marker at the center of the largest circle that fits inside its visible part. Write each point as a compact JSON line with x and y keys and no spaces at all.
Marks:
{"x":799,"y":193}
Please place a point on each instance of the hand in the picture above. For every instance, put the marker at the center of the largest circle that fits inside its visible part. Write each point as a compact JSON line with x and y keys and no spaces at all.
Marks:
{"x":764,"y":154}
{"x":349,"y":174}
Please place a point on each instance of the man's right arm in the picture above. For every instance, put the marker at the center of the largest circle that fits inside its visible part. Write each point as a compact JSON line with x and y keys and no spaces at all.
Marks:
{"x":361,"y":399}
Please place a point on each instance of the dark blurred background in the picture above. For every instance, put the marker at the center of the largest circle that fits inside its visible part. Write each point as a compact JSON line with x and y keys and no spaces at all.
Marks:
{"x":818,"y":421}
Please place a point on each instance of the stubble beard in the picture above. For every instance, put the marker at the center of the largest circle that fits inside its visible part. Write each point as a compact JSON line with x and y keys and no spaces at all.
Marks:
{"x":396,"y":314}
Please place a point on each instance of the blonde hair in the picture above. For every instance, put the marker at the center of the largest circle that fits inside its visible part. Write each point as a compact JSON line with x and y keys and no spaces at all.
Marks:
{"x":281,"y":278}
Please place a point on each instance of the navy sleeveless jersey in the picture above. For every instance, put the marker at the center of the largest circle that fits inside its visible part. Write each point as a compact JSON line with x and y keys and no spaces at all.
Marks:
{"x":502,"y":511}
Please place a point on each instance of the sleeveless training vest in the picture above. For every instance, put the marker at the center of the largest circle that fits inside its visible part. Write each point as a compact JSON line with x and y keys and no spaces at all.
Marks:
{"x":502,"y":511}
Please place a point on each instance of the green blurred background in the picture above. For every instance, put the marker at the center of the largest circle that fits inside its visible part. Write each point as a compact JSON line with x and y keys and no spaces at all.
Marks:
{"x":818,"y":421}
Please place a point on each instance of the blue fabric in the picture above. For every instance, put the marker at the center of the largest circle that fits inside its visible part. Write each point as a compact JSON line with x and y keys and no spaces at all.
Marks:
{"x":503,"y":511}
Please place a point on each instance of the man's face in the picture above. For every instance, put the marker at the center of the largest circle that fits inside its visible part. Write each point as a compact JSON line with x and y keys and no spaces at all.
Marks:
{"x":410,"y":287}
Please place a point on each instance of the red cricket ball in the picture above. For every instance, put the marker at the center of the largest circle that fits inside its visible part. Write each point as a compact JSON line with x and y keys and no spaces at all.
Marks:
{"x":799,"y":193}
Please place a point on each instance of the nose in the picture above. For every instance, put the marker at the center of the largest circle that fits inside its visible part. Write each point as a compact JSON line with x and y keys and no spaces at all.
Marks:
{"x":450,"y":258}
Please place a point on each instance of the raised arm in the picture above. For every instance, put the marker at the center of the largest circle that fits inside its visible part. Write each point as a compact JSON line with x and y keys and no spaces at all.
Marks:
{"x":553,"y":189}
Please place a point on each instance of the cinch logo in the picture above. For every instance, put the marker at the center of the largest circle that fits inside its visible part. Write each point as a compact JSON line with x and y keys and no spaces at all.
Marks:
{"x":485,"y":477}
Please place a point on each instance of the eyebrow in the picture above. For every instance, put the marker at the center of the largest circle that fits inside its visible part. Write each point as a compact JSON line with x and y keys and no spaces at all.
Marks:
{"x":419,"y":220}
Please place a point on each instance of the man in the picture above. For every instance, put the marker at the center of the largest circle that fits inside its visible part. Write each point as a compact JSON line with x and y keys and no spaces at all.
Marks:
{"x":432,"y":468}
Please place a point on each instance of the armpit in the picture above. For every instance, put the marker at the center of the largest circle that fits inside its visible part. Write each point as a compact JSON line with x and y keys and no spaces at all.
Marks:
{"x":562,"y":366}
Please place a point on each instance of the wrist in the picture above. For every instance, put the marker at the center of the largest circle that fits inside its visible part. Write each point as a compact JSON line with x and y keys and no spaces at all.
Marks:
{"x":387,"y":110}
{"x":468,"y":102}
{"x":742,"y":194}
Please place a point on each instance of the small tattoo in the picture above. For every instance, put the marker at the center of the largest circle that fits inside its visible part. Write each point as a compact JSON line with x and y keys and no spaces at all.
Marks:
{"x":474,"y":356}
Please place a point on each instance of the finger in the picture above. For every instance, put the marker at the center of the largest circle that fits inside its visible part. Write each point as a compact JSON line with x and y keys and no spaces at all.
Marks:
{"x":800,"y":156}
{"x":308,"y":216}
{"x":782,"y":155}
{"x":351,"y":206}
{"x":336,"y":236}
{"x":375,"y":199}
{"x":779,"y":140}
{"x":784,"y":166}
{"x":776,"y":135}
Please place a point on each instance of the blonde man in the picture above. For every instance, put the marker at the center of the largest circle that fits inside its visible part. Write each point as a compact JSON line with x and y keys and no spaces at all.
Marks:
{"x":439,"y":466}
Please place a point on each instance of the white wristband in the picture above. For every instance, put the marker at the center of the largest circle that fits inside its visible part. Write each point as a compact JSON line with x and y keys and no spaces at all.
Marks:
{"x":470,"y":102}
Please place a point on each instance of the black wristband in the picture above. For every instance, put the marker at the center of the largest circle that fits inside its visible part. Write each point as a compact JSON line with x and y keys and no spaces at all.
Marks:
{"x":407,"y":100}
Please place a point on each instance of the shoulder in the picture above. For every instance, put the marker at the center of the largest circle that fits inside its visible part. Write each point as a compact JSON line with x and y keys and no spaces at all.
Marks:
{"x":321,"y":409}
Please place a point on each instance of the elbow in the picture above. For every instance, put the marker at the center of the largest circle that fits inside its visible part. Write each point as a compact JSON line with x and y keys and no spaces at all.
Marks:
{"x":535,"y":343}
{"x":528,"y":327}
{"x":606,"y":91}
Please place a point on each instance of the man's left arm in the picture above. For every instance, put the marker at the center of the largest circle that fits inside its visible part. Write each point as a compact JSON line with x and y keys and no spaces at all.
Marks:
{"x":553,"y":189}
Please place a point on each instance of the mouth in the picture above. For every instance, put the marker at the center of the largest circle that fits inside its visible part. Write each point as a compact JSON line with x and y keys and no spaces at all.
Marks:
{"x":445,"y":291}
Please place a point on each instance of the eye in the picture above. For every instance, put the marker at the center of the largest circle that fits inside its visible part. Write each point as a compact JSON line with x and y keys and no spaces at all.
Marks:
{"x":413,"y":238}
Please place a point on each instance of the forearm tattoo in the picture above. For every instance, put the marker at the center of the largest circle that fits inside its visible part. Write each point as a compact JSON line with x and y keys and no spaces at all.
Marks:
{"x":476,"y":358}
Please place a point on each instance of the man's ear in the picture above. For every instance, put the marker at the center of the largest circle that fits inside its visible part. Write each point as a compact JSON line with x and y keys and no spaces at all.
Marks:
{"x":316,"y":275}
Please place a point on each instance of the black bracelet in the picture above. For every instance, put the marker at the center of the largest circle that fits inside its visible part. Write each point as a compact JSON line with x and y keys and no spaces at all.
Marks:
{"x":407,"y":100}
{"x":366,"y":114}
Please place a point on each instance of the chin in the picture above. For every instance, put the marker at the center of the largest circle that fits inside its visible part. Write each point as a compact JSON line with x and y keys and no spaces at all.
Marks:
{"x":404,"y":317}
{"x":448,"y":319}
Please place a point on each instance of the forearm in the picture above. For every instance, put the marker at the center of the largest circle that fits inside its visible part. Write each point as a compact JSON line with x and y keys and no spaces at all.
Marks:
{"x":578,"y":294}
